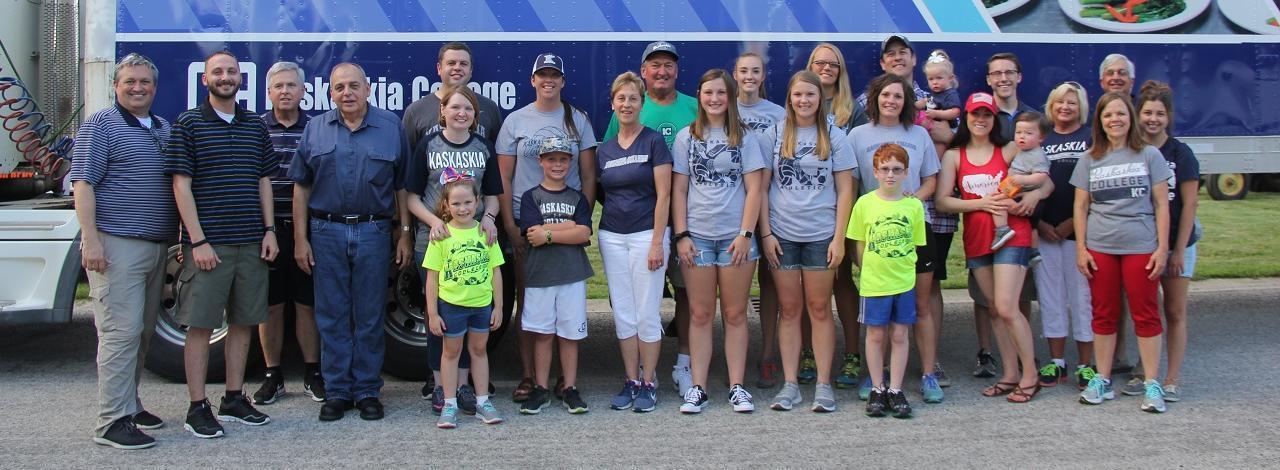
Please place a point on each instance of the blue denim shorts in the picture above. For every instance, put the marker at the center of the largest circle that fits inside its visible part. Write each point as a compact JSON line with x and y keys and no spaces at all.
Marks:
{"x":1017,"y":255}
{"x":882,"y":310}
{"x":1188,"y":263}
{"x":716,"y":252}
{"x":459,"y":320}
{"x":808,"y":256}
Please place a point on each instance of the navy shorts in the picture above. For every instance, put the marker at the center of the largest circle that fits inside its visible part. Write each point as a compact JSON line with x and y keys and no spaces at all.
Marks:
{"x":459,"y":320}
{"x":882,"y":310}
{"x":285,"y":280}
{"x":808,"y":256}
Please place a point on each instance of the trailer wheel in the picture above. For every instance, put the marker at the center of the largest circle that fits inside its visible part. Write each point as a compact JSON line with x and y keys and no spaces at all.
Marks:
{"x":164,"y":357}
{"x":1228,"y":186}
{"x":406,"y":327}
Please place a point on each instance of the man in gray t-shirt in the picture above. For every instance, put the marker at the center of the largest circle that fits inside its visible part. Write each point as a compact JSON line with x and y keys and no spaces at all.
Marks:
{"x":1121,"y":214}
{"x":422,"y":117}
{"x":802,"y":190}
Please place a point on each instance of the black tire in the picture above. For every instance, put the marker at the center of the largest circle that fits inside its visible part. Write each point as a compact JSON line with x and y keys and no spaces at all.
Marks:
{"x":1228,"y":186}
{"x":164,"y":357}
{"x":406,"y":327}
{"x":165,"y":354}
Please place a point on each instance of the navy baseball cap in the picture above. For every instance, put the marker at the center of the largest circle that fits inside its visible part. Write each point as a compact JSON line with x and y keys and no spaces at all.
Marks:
{"x":548,"y":61}
{"x":884,"y":46}
{"x":659,"y":46}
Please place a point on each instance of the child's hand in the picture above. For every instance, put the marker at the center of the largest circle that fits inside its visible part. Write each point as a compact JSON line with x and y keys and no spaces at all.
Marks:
{"x":495,"y":318}
{"x":436,"y":324}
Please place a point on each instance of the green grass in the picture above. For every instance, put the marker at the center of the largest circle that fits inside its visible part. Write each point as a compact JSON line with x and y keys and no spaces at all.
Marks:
{"x":1240,"y":239}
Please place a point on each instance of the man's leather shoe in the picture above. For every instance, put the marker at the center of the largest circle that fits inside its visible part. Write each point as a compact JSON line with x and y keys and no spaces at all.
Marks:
{"x":333,"y":409}
{"x":370,"y":409}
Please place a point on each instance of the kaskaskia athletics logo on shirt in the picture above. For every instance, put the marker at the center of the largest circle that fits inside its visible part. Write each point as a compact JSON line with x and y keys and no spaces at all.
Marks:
{"x":890,"y":236}
{"x":468,"y":264}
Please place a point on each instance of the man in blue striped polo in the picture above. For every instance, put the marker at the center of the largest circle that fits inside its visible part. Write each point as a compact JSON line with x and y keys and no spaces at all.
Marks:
{"x":349,"y":192}
{"x":221,"y":160}
{"x":124,"y":202}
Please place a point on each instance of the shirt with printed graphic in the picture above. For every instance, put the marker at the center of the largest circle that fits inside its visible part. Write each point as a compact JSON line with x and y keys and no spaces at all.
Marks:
{"x":891,"y":231}
{"x":556,"y":264}
{"x":717,"y":196}
{"x":627,"y":183}
{"x":465,"y":262}
{"x":762,"y":116}
{"x":1063,"y":151}
{"x":802,"y":190}
{"x":1121,"y":215}
{"x":522,"y":133}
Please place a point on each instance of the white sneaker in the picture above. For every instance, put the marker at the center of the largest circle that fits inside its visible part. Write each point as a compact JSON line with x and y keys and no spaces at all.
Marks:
{"x":681,"y":379}
{"x":740,"y":398}
{"x":694,"y":400}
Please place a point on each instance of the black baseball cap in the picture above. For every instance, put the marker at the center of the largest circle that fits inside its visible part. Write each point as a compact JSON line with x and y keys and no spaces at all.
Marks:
{"x":884,"y":46}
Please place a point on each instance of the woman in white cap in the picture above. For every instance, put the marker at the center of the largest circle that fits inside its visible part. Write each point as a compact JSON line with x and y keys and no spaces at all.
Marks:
{"x":716,"y":194}
{"x":547,"y":116}
{"x":974,"y":164}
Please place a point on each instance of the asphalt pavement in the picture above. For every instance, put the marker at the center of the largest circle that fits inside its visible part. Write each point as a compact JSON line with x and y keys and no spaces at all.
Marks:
{"x":1227,"y":418}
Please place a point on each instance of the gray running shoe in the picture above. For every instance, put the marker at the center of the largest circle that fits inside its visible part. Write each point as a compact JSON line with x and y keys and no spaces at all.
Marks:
{"x":1171,"y":393}
{"x":1154,"y":400}
{"x":488,"y":413}
{"x":788,"y":397}
{"x":1133,"y":387}
{"x":448,"y":417}
{"x":824,"y":399}
{"x":1097,"y":391}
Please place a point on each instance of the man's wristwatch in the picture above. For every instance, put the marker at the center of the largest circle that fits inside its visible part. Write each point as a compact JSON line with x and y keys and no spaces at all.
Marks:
{"x":745,"y":234}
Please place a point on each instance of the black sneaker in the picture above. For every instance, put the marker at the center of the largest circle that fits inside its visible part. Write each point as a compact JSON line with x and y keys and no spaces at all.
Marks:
{"x":145,"y":420}
{"x":537,"y":400}
{"x":238,"y":409}
{"x":467,"y":399}
{"x":313,"y":386}
{"x":898,"y":403}
{"x":272,"y":389}
{"x":428,"y":389}
{"x":201,"y":423}
{"x":986,"y":367}
{"x":123,"y":434}
{"x":876,"y":403}
{"x":370,"y":409}
{"x":573,"y":401}
{"x":1051,"y":373}
{"x":334,"y":409}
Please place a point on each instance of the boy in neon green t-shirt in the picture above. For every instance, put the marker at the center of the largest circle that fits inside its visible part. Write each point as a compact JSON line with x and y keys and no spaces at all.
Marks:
{"x":888,"y":227}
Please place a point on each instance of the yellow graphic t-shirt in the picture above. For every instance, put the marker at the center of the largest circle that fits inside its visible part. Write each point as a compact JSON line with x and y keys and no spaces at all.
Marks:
{"x":465,"y":263}
{"x":891,"y":230}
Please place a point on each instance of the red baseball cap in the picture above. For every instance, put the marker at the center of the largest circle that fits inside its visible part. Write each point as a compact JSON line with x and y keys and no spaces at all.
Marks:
{"x":981,"y":100}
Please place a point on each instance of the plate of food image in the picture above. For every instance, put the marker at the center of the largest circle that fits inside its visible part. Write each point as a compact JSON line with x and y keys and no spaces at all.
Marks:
{"x":1132,"y":16}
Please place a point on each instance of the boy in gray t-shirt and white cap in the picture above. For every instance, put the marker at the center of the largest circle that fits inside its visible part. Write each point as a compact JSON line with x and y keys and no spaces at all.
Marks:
{"x":1028,"y":171}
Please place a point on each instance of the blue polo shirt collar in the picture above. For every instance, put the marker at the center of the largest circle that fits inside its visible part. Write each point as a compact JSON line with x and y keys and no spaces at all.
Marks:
{"x":335,"y":117}
{"x":132,"y":121}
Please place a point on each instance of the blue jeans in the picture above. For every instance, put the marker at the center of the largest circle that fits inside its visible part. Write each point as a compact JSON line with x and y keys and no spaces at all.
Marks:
{"x":351,"y":290}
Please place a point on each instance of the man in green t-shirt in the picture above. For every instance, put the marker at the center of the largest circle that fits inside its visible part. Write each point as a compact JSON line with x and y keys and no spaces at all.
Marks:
{"x":665,"y":110}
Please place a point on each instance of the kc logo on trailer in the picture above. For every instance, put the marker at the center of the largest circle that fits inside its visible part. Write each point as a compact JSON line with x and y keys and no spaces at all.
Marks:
{"x":248,"y":85}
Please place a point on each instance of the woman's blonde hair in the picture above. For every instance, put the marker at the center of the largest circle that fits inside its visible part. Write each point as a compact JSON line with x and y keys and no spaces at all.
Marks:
{"x":842,"y":99}
{"x":624,"y":79}
{"x":823,"y":147}
{"x":1060,"y":92}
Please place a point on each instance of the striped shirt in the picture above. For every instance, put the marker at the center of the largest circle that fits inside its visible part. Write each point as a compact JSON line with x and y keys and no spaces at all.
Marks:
{"x":124,"y":162}
{"x":285,"y":141}
{"x":225,"y":161}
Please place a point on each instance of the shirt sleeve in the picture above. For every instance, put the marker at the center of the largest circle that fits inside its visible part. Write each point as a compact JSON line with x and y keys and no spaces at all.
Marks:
{"x":415,"y":173}
{"x":269,"y":161}
{"x":917,"y":223}
{"x":582,"y":213}
{"x":1156,"y":164}
{"x":586,"y":135}
{"x":680,"y":152}
{"x":178,"y":159}
{"x":299,"y":171}
{"x":529,"y":213}
{"x":659,"y":154}
{"x":931,"y":164}
{"x":856,"y":230}
{"x":89,"y":157}
{"x":752,"y":155}
{"x":1080,"y":175}
{"x":859,"y":116}
{"x":434,"y":259}
{"x":1188,"y":165}
{"x":611,"y":131}
{"x":491,"y":116}
{"x":842,"y":157}
{"x":491,"y":182}
{"x":506,"y":143}
{"x":402,"y":158}
{"x":495,"y":257}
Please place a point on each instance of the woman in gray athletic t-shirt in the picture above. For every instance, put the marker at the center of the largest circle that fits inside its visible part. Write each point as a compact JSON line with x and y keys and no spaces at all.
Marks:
{"x":716,"y":195}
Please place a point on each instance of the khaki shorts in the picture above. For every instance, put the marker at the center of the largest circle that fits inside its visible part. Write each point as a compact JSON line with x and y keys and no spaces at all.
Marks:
{"x":235,"y":291}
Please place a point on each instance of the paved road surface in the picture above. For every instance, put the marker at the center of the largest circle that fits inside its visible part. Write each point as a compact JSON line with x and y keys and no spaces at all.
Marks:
{"x":1228,"y":418}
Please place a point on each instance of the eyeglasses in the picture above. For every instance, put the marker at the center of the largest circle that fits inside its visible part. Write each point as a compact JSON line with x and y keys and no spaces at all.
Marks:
{"x":1003,"y":73}
{"x":822,"y":64}
{"x":892,"y":171}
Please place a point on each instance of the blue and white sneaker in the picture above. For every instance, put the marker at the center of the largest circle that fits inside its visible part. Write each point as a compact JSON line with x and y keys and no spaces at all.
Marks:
{"x":626,"y":397}
{"x":488,"y":413}
{"x":1097,"y":391}
{"x":448,"y":417}
{"x":1154,"y":400}
{"x":694,"y":400}
{"x":646,"y":398}
{"x":930,"y":389}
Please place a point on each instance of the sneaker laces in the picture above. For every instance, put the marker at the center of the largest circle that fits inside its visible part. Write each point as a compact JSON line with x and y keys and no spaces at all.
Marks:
{"x":1096,"y":385}
{"x":1050,"y":369}
{"x":850,"y":366}
{"x":1086,"y":373}
{"x":1155,"y":391}
{"x":739,"y":395}
{"x":693,"y":395}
